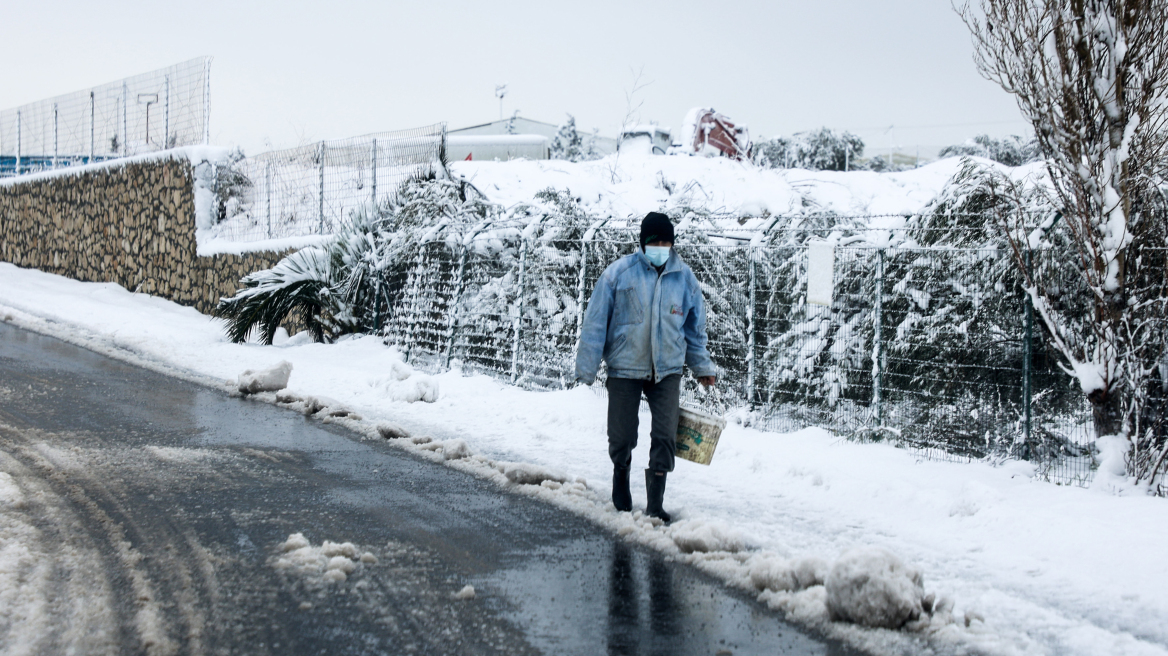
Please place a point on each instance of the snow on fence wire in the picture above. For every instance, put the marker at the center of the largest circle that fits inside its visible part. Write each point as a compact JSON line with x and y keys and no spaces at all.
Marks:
{"x":314,"y":189}
{"x":162,"y":109}
{"x":945,"y":360}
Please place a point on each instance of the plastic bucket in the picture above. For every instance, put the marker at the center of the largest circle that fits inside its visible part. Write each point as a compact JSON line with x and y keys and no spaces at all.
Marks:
{"x":697,"y":435}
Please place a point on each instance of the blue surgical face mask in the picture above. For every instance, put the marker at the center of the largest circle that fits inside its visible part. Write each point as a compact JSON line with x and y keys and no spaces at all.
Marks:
{"x":658,"y":255}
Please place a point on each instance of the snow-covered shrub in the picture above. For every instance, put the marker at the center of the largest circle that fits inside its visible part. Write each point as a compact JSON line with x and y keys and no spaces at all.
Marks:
{"x":1011,"y":151}
{"x":299,"y":286}
{"x":954,"y":322}
{"x":814,"y":358}
{"x":233,"y":190}
{"x":351,"y":284}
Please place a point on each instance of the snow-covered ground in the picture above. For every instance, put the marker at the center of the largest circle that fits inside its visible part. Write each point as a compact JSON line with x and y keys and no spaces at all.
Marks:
{"x":1032,"y":568}
{"x":631,"y":185}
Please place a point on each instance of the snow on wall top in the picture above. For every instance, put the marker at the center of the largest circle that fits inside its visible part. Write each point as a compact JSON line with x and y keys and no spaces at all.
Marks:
{"x":195,"y":154}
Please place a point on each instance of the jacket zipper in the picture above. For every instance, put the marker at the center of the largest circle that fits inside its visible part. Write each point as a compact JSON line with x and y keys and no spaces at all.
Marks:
{"x":653,"y":320}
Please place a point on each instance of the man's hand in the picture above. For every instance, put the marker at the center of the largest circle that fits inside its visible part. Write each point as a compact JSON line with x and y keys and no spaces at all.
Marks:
{"x":707,"y":381}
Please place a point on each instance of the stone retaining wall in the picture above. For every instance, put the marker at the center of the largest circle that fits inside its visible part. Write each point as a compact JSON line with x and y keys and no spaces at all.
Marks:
{"x":131,"y":223}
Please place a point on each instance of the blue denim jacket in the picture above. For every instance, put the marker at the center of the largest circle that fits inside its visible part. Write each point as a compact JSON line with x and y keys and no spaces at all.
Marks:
{"x":644,"y":325}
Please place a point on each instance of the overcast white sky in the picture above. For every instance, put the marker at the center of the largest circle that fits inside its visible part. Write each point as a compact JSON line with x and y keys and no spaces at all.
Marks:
{"x":291,"y":72}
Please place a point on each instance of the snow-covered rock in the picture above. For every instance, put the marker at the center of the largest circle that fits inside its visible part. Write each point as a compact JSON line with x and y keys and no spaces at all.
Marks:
{"x":525,"y":473}
{"x":391,"y":431}
{"x":272,"y":379}
{"x":874,"y":588}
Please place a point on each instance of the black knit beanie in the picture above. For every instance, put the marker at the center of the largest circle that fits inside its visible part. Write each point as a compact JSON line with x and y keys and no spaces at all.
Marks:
{"x":656,"y":227}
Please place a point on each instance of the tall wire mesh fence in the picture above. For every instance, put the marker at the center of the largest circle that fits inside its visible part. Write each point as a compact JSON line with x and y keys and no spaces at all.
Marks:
{"x":933,"y":349}
{"x":316,"y":189}
{"x":162,"y":109}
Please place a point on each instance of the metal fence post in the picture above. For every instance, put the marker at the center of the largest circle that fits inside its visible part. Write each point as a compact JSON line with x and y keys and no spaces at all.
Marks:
{"x":517,"y":324}
{"x":92,"y":119}
{"x":207,"y":101}
{"x":125,"y":119}
{"x":751,"y":328}
{"x":18,"y":144}
{"x":1027,"y":349}
{"x":320,"y":197}
{"x":373,"y":160}
{"x":166,"y":115}
{"x":56,"y":141}
{"x":268,"y":195}
{"x":877,"y":343}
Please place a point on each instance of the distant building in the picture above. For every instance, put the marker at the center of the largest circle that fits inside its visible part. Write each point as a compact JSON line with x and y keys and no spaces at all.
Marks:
{"x":490,"y":147}
{"x":516,"y":139}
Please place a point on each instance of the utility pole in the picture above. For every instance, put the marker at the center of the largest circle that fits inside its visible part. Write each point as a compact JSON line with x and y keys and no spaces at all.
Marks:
{"x":500,"y":92}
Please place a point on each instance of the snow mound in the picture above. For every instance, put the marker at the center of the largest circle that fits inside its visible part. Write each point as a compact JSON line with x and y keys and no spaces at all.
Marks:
{"x":331,"y":562}
{"x":399,"y":370}
{"x":466,"y":593}
{"x":300,"y":338}
{"x":274,"y":379}
{"x":770,"y":572}
{"x":455,"y":449}
{"x":10,"y":494}
{"x":406,"y":385}
{"x":694,"y":536}
{"x":874,"y":588}
{"x":524,"y":473}
{"x":450,"y":449}
{"x":411,"y":389}
{"x":418,"y":387}
{"x":311,"y":405}
{"x":391,"y":431}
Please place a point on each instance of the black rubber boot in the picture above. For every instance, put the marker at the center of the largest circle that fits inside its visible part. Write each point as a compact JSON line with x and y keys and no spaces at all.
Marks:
{"x":655,"y":489}
{"x":622,"y":498}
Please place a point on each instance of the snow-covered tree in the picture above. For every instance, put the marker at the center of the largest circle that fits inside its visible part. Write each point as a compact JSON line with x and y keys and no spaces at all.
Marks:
{"x":567,"y":144}
{"x":817,"y":150}
{"x":1011,"y":151}
{"x":592,"y":149}
{"x":775,"y":153}
{"x":828,"y":150}
{"x":1092,"y":78}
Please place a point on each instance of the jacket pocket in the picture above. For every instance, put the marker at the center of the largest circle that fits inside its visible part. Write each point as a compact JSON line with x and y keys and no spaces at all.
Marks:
{"x":614,"y":348}
{"x":628,"y":307}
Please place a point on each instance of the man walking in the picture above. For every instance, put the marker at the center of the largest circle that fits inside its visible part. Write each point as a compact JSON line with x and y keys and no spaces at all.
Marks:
{"x":646,"y":319}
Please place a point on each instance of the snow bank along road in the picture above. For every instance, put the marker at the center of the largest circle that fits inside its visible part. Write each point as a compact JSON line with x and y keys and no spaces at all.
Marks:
{"x":1037,"y":568}
{"x":144,"y":514}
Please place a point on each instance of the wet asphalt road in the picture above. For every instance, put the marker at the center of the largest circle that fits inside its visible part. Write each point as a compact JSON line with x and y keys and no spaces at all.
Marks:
{"x":155,"y":508}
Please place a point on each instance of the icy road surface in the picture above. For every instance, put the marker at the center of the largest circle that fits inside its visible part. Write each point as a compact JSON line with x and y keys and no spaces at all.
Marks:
{"x":142,"y":514}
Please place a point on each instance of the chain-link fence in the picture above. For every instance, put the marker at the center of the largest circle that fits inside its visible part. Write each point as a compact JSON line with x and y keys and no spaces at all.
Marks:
{"x":317,"y":188}
{"x":934,"y":349}
{"x":153,"y":111}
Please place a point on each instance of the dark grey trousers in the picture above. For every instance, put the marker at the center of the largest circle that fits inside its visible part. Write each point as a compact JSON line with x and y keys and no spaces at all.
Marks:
{"x":624,"y":400}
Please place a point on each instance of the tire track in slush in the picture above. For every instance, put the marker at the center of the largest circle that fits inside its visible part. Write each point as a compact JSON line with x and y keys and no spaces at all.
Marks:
{"x":97,"y":507}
